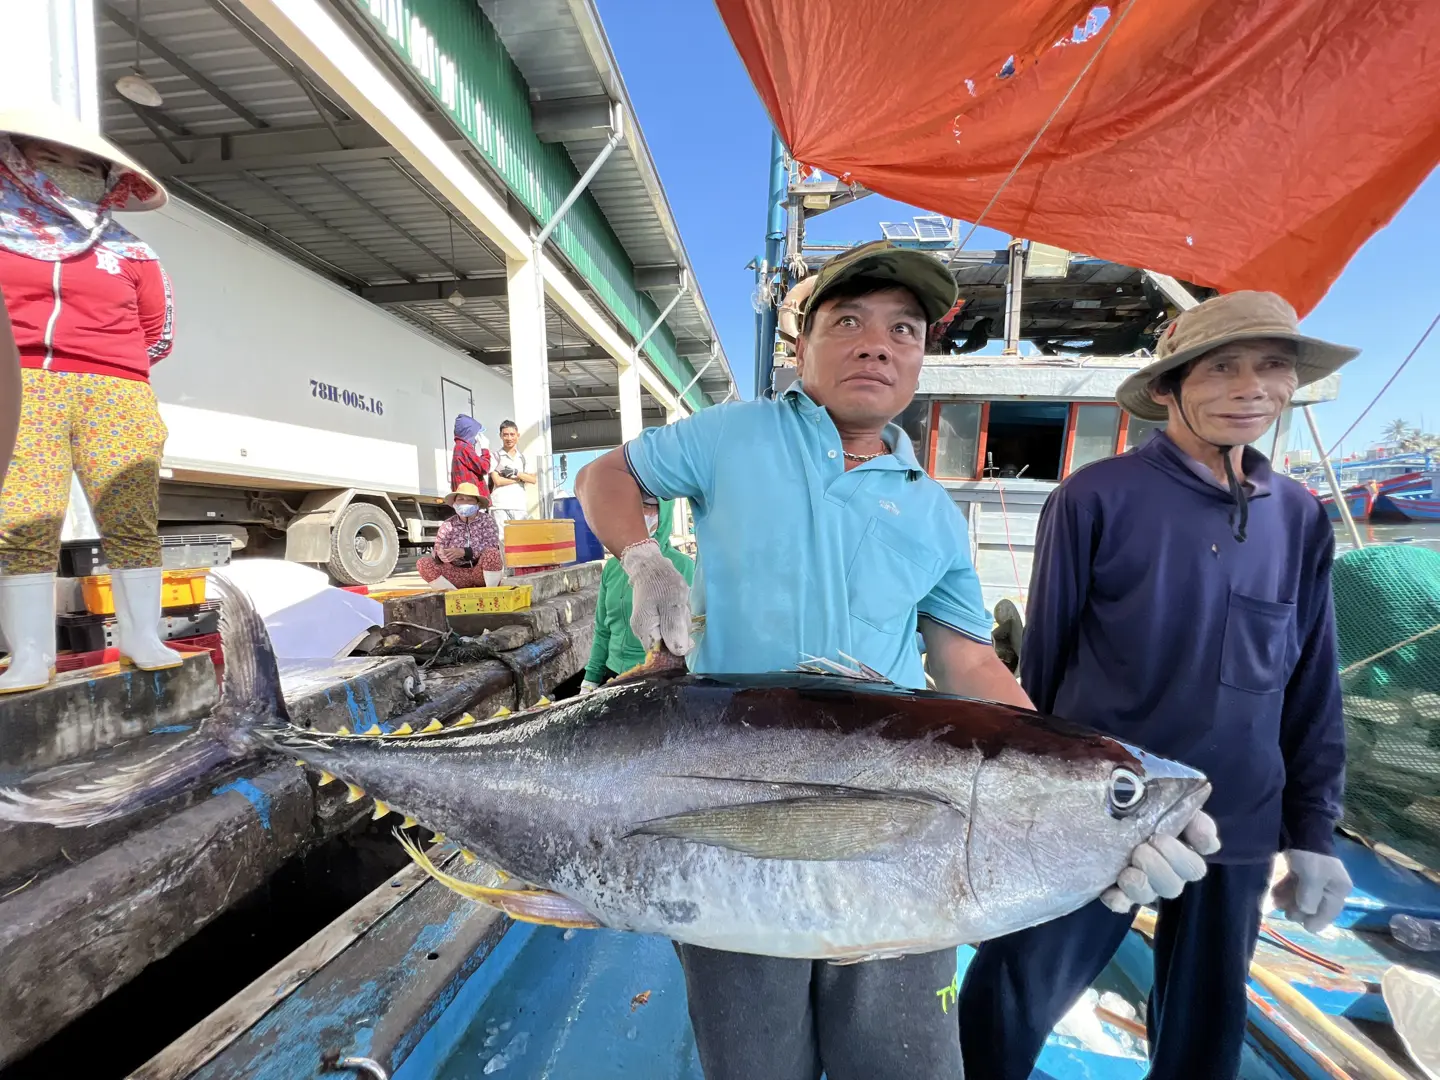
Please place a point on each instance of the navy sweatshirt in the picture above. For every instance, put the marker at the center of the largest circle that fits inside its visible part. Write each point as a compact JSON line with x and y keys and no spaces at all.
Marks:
{"x":1148,"y":620}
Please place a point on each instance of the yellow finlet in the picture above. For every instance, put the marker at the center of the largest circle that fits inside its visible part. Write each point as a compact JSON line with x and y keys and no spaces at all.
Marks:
{"x":503,"y":711}
{"x":342,"y":730}
{"x":438,"y":838}
{"x":326,"y":778}
{"x":434,"y":725}
{"x":374,"y":730}
{"x":299,"y":762}
{"x":404,"y":729}
{"x":465,"y":721}
{"x":381,"y":809}
{"x":522,"y":905}
{"x":543,"y":702}
{"x":356,"y":793}
{"x":409,"y":822}
{"x":468,"y":855}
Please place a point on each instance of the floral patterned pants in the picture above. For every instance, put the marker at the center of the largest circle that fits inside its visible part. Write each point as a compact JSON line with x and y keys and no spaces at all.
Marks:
{"x":430,"y":568}
{"x":109,"y":431}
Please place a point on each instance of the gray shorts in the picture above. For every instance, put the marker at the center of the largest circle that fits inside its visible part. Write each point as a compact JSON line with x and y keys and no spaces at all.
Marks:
{"x":764,"y":1018}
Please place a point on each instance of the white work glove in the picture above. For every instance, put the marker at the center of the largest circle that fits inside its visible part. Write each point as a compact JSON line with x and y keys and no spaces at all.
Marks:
{"x":1163,"y":864}
{"x":588,"y":687}
{"x":660,"y":610}
{"x":482,"y":441}
{"x":1313,"y":892}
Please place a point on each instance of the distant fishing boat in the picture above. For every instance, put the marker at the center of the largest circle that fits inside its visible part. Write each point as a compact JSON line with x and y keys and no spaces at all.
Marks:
{"x":1416,"y":508}
{"x":1413,"y":484}
{"x":1360,"y":499}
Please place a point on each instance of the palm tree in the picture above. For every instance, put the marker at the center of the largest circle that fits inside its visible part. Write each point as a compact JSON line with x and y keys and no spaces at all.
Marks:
{"x":1397,"y":431}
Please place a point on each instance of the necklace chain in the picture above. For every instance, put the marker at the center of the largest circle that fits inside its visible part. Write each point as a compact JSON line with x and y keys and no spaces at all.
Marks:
{"x":862,"y":458}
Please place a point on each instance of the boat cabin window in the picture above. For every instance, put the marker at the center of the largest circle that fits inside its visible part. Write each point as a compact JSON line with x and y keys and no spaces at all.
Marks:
{"x":1092,"y":435}
{"x":1026,"y":438}
{"x":1031,"y":440}
{"x":915,"y":422}
{"x":958,"y":426}
{"x":1138,"y":432}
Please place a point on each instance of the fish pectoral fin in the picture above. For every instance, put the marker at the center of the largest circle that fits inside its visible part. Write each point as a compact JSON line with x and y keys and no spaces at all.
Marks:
{"x":523,"y":905}
{"x":855,"y":669}
{"x":819,"y":827}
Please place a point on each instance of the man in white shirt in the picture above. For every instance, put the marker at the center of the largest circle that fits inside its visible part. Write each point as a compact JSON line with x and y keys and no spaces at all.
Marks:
{"x":511,"y":472}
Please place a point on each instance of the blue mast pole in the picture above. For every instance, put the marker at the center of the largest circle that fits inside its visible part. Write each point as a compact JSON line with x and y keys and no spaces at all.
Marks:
{"x":768,"y":317}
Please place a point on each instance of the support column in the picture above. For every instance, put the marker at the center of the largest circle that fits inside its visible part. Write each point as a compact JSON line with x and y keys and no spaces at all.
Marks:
{"x":680,"y":526}
{"x":1014,"y":286}
{"x":530,"y":375}
{"x":631,"y":420}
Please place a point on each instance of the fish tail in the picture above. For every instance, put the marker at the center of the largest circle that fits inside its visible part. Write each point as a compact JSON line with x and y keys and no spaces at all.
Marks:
{"x":115,"y":785}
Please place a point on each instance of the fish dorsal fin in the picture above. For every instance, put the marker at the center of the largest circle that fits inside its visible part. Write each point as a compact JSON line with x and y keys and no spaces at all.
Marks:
{"x":854,"y":669}
{"x":814,"y":828}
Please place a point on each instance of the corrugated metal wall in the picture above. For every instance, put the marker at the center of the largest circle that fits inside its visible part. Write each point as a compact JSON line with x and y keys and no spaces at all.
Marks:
{"x":454,"y":49}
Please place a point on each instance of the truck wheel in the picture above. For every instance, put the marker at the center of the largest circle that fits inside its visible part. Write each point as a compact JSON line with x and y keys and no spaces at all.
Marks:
{"x":363,"y":545}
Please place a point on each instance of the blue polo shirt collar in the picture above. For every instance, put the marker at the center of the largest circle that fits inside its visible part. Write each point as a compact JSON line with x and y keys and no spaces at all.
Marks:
{"x":902,"y":451}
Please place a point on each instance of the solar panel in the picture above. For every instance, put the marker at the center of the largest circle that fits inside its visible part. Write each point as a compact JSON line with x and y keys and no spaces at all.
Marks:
{"x":898,"y":230}
{"x":932,"y":227}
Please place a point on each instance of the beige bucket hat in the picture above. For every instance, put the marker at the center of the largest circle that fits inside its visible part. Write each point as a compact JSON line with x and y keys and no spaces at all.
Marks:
{"x":1237,"y":316}
{"x":54,"y":125}
{"x":471,"y":490}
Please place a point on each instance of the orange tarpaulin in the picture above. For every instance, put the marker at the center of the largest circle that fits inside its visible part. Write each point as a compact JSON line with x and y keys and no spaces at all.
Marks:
{"x":1232,"y":143}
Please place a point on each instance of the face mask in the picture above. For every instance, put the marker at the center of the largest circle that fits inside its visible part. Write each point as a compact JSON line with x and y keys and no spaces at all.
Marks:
{"x":467,"y":509}
{"x":78,"y":183}
{"x":88,"y":183}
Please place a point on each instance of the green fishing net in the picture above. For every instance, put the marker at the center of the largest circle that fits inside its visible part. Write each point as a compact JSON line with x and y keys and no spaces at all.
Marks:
{"x":1387,"y":611}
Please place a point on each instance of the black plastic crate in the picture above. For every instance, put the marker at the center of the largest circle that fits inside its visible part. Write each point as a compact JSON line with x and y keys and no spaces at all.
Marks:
{"x":198,"y":551}
{"x":84,"y":633}
{"x":82,"y":558}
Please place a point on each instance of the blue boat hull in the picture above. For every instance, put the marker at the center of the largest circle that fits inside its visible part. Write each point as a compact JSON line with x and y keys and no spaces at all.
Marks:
{"x":1416,"y":509}
{"x":1359,"y":502}
{"x":608,"y":1005}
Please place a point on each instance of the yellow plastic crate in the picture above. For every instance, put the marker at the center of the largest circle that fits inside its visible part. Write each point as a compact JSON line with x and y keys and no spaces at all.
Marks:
{"x":539,"y":542}
{"x":182,"y":588}
{"x":487,"y":601}
{"x":394,"y":594}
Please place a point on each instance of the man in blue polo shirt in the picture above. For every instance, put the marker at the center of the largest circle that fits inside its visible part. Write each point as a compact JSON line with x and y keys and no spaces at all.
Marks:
{"x":820,"y":536}
{"x":1180,"y":600}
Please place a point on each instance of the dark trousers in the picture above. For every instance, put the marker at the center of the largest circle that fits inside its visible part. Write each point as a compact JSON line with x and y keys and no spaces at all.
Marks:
{"x":1018,"y":987}
{"x":764,"y":1018}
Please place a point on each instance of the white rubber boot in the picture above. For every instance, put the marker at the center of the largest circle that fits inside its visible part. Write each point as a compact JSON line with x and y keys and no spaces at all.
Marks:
{"x":137,"y":619}
{"x":27,"y":615}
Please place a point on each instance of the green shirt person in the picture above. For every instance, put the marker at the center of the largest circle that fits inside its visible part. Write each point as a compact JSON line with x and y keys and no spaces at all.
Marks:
{"x":616,"y":647}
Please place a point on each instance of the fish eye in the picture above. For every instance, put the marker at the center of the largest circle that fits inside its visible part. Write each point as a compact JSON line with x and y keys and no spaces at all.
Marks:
{"x":1127,"y":791}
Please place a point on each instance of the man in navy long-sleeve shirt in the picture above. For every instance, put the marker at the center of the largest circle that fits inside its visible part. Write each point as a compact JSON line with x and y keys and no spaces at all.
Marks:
{"x":1180,"y":600}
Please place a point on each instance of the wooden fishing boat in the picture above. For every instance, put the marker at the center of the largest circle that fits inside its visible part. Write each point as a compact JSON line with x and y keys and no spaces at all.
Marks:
{"x":1415,"y":508}
{"x":417,"y":983}
{"x":1416,"y":484}
{"x":1360,"y":499}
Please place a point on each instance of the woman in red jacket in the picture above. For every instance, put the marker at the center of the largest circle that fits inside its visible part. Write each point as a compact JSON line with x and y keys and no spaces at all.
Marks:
{"x":92,"y":311}
{"x":470,"y":461}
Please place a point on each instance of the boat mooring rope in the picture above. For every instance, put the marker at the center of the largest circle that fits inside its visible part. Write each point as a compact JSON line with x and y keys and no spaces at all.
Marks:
{"x":1433,"y":323}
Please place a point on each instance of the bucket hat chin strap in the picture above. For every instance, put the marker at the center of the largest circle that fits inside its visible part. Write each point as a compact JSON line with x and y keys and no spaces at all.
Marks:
{"x":1237,"y":489}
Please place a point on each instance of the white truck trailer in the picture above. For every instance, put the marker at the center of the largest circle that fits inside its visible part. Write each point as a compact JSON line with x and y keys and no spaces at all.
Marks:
{"x":299,"y":414}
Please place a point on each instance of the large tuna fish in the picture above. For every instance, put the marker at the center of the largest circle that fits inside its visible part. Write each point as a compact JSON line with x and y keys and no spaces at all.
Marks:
{"x":796,"y":814}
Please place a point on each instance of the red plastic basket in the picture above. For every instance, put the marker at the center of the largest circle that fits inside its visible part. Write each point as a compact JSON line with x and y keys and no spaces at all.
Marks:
{"x":205,"y":642}
{"x":75,"y":661}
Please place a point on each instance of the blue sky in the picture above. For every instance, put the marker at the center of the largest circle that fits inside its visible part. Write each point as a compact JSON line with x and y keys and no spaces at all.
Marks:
{"x":710,"y":138}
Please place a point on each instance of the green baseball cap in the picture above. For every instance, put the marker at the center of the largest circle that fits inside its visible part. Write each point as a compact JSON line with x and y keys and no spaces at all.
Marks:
{"x":922,"y":274}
